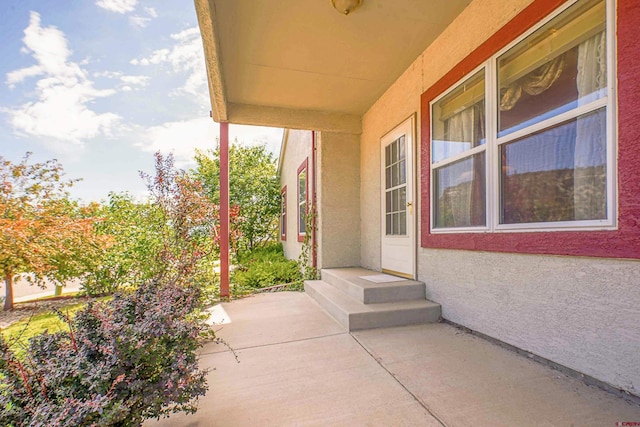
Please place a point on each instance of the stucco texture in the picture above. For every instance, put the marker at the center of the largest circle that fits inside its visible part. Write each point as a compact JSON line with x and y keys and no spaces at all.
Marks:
{"x":474,"y":25}
{"x":338,"y":200}
{"x":298,"y":148}
{"x":580,"y":312}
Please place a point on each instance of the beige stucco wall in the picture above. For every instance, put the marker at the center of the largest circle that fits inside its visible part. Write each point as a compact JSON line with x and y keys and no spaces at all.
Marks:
{"x":298,"y":148}
{"x":473,"y":26}
{"x":580,"y":312}
{"x":338,"y":200}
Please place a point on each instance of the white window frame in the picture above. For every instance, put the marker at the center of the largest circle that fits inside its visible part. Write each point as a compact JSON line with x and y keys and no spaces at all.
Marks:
{"x":283,"y":213}
{"x":493,"y":142}
{"x":302,"y":222}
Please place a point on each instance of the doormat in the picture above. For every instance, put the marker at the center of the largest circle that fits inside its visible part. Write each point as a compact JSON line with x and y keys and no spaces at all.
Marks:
{"x":382,"y":278}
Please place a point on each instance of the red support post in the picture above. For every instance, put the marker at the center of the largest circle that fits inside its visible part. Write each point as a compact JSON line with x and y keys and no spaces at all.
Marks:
{"x":224,"y":209}
{"x":314,"y":204}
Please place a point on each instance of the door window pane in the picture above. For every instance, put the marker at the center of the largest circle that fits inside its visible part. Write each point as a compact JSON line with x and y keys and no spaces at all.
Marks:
{"x":557,"y":68}
{"x":458,"y":121}
{"x":395,"y":188}
{"x":558,"y":174}
{"x":459,"y":190}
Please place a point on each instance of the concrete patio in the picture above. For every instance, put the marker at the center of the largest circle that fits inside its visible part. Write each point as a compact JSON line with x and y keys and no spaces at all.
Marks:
{"x":298,"y":366}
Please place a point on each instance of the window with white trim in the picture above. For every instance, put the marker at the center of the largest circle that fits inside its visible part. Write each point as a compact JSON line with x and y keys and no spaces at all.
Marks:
{"x":526,"y":141}
{"x":302,"y":200}
{"x":283,"y":213}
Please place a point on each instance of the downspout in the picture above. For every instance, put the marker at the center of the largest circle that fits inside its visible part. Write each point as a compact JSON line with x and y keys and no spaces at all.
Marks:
{"x":314,"y":210}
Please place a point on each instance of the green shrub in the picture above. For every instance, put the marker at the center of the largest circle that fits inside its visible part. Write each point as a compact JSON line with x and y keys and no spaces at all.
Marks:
{"x":265,"y":267}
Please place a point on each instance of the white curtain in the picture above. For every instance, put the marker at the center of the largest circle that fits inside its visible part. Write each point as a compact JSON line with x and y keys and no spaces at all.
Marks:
{"x":590,"y":149}
{"x":460,"y":128}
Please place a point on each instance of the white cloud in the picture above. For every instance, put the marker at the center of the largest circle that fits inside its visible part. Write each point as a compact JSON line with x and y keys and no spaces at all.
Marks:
{"x":151,"y":11}
{"x":139,"y":21}
{"x":118,"y":6}
{"x":127,"y":82}
{"x":108,"y":74}
{"x":187,"y":34}
{"x":185,"y":56}
{"x":62,"y":94}
{"x":135,"y":80}
{"x":183,"y":137}
{"x":22,"y":74}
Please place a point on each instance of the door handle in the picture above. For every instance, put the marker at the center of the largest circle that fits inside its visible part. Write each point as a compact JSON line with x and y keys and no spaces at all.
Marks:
{"x":410,"y":206}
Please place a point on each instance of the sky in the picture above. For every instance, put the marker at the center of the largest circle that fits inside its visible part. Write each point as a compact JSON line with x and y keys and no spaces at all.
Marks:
{"x":101,"y":85}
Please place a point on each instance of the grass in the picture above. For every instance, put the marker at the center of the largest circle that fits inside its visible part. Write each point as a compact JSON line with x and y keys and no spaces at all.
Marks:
{"x":67,"y":295}
{"x":18,"y":334}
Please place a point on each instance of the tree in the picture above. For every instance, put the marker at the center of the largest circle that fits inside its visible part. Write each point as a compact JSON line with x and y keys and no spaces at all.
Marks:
{"x":42,"y":233}
{"x":193,"y":219}
{"x":132,"y":357}
{"x":253,"y":188}
{"x":136,"y":229}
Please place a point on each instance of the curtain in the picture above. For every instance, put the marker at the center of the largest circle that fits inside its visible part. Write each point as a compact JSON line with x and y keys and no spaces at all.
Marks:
{"x":590,"y":199}
{"x":465,"y":179}
{"x":459,"y":127}
{"x":533,"y":83}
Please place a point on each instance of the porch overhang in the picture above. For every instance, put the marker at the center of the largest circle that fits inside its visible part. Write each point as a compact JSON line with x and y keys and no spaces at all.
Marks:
{"x":302,"y":65}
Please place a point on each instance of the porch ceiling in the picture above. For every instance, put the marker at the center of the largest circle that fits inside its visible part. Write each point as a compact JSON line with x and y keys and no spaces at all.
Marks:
{"x":300,"y":64}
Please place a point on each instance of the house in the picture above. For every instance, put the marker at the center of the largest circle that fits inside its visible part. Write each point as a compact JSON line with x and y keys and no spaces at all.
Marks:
{"x":487,"y":148}
{"x":297,"y":176}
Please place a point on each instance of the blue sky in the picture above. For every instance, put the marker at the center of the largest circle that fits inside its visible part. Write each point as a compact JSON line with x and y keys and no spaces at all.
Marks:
{"x":102,"y":84}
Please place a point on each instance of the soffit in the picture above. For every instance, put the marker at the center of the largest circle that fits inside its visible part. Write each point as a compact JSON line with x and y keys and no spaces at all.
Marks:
{"x":303,"y":55}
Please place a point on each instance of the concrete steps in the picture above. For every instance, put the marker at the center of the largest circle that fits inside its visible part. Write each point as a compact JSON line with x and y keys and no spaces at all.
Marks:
{"x":361,"y":304}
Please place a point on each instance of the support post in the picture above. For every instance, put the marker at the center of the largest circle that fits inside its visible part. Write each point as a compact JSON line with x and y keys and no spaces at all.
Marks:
{"x":224,"y":209}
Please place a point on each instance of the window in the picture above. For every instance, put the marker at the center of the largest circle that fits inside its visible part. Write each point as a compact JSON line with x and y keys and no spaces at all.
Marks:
{"x":525,"y":142}
{"x":458,"y":155}
{"x":395,"y":159}
{"x":302,"y":200}
{"x":283,"y":213}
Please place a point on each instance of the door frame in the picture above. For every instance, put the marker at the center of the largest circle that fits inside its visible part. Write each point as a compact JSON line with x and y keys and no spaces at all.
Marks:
{"x":406,"y":127}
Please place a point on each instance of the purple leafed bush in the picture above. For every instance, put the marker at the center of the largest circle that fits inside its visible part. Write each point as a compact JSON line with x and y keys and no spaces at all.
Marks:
{"x":122,"y":361}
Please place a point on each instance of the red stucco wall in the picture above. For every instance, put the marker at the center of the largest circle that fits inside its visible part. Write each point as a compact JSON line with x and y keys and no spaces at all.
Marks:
{"x":621,"y":243}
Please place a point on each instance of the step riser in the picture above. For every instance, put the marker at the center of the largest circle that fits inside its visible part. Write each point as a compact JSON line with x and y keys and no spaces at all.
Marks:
{"x":329,"y":306}
{"x":377,"y":295}
{"x":333,"y":301}
{"x":406,"y":293}
{"x":354,"y":292}
{"x":390,"y":319}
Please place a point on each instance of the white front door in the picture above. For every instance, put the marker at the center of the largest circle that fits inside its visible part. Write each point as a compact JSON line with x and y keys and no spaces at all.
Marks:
{"x":398,"y":201}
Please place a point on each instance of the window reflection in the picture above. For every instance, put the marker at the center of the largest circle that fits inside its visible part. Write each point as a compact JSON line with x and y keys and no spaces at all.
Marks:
{"x":460,"y":193}
{"x":556,"y":175}
{"x":458,"y":120}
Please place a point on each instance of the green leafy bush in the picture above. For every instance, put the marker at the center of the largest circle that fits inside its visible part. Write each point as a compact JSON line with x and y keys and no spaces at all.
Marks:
{"x":137,"y":230}
{"x":265,"y":267}
{"x":175,"y":232}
